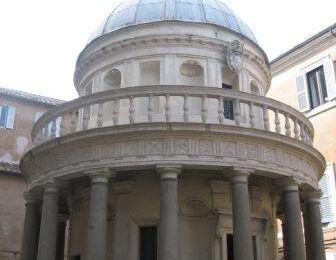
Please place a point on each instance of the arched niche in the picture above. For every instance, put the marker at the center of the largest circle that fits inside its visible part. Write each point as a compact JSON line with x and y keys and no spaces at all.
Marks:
{"x":192,"y":73}
{"x":112,"y":79}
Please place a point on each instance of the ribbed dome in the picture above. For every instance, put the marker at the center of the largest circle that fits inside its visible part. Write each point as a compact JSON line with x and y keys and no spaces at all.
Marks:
{"x":133,"y":12}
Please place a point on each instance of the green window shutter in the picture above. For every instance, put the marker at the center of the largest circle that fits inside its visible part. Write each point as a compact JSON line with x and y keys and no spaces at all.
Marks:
{"x":329,"y":73}
{"x":3,"y":116}
{"x":10,"y":117}
{"x":302,"y":92}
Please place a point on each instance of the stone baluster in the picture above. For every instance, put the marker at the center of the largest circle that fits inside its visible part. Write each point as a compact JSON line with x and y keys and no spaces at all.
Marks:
{"x":31,"y":227}
{"x":302,"y":133}
{"x":221,"y":110}
{"x":131,"y":110}
{"x":150,"y":108}
{"x":168,"y":246}
{"x":62,"y":131}
{"x":266,"y":118}
{"x":288,"y":126}
{"x":48,"y":227}
{"x":53,"y":128}
{"x":313,"y":226}
{"x":185,"y":108}
{"x":296,"y":129}
{"x":237,"y":113}
{"x":251,"y":115}
{"x":100,"y":114}
{"x":73,"y":121}
{"x":96,"y":248}
{"x":293,"y":221}
{"x":167,"y":108}
{"x":204,"y":109}
{"x":277,"y":121}
{"x":86,"y":116}
{"x":242,"y":242}
{"x":115,"y":111}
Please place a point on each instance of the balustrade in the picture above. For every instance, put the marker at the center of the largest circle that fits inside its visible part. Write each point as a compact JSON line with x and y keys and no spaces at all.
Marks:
{"x":248,"y":110}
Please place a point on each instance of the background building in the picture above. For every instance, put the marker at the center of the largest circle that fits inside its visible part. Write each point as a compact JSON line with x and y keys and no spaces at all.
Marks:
{"x":18,"y":113}
{"x":304,"y":78}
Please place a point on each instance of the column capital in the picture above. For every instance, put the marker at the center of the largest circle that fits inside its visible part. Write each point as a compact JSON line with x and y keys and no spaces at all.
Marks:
{"x":240,"y":174}
{"x":312,"y":196}
{"x":167,"y":172}
{"x":52,"y":186}
{"x":101,"y":175}
{"x":288,"y":184}
{"x":32,"y":197}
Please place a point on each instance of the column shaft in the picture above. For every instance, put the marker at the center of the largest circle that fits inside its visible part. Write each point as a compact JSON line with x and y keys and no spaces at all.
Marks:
{"x":48,"y":228}
{"x":314,"y":233}
{"x":168,"y":232}
{"x":98,"y":218}
{"x":293,"y":222}
{"x":242,"y":242}
{"x":31,"y":228}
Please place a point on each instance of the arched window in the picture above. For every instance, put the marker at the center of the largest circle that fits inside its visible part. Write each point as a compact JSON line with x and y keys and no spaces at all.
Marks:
{"x":192,"y":73}
{"x":112,"y":79}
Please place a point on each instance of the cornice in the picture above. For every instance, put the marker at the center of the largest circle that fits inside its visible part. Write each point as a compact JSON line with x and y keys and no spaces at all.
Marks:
{"x":302,"y":52}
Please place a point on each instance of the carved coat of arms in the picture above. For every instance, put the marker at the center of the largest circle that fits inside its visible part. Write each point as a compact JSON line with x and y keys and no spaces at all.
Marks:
{"x":234,"y":56}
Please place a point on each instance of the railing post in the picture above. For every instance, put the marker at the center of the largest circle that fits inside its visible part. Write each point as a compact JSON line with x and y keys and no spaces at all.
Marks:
{"x":266,"y":118}
{"x":287,"y":126}
{"x":221,"y":110}
{"x":167,"y":108}
{"x":150,"y":108}
{"x":100,"y":114}
{"x":296,"y":130}
{"x":115,"y":112}
{"x":277,"y":122}
{"x":251,"y":115}
{"x":131,"y":110}
{"x":204,"y":110}
{"x":185,"y":108}
{"x":237,"y":112}
{"x":302,"y":133}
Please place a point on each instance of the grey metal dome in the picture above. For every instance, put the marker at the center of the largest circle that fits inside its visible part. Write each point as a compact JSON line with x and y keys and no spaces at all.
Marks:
{"x":133,"y":12}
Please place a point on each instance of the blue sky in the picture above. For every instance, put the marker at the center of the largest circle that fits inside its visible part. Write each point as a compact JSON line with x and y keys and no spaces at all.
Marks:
{"x":40,"y":39}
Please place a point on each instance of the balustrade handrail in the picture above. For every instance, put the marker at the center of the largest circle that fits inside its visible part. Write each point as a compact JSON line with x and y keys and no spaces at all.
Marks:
{"x":182,"y":91}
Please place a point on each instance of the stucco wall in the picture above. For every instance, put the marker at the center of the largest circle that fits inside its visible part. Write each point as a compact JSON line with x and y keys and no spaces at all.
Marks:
{"x":11,"y":216}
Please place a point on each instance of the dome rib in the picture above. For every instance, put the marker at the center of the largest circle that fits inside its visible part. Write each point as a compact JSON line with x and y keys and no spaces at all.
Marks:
{"x":134,"y":12}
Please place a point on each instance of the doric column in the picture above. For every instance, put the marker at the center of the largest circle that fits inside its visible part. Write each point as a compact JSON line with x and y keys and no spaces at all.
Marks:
{"x":48,"y":228}
{"x":31,"y":227}
{"x":98,"y":216}
{"x":293,"y":221}
{"x":168,"y":230}
{"x":61,"y":227}
{"x":313,"y":226}
{"x":242,"y":242}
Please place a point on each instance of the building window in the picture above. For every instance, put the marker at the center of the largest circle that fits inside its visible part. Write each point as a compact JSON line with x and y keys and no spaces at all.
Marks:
{"x":316,"y":85}
{"x":7,"y":117}
{"x":148,"y":243}
{"x":327,"y":186}
{"x":228,"y":105}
